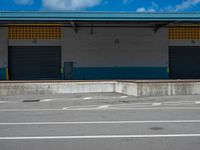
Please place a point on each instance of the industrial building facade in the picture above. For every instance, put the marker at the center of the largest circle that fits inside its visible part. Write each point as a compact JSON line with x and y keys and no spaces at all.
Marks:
{"x":97,"y":45}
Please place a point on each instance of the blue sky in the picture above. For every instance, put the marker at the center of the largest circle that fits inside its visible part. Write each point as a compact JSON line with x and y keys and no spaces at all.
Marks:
{"x":102,"y":5}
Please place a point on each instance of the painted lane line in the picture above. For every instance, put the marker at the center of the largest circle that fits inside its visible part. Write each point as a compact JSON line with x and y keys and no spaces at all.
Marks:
{"x":156,"y":104}
{"x":101,"y":136}
{"x":46,"y":100}
{"x":104,"y":106}
{"x":6,"y":102}
{"x":102,"y":122}
{"x":87,"y":98}
{"x":96,"y":109}
{"x":81,"y":107}
{"x":197,"y":102}
{"x":124,"y":97}
{"x":27,"y":110}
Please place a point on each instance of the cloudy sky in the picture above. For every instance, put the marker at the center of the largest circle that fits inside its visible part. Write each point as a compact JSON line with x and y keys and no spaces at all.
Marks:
{"x":103,"y":5}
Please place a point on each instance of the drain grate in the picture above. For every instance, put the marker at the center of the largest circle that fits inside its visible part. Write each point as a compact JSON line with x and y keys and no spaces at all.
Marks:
{"x":31,"y":101}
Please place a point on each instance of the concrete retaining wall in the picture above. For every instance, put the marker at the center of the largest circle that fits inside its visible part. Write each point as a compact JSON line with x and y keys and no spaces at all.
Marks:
{"x":134,"y":88}
{"x":168,"y":89}
{"x":55,"y":87}
{"x":126,"y":88}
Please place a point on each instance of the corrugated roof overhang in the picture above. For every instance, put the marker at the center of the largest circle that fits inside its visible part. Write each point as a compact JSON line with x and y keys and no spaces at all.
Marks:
{"x":99,"y":16}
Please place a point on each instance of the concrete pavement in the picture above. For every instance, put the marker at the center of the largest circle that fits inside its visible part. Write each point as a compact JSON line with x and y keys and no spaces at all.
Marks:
{"x":100,"y":122}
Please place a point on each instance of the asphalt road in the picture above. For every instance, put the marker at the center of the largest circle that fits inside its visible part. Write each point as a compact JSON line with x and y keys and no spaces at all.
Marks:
{"x":99,"y":122}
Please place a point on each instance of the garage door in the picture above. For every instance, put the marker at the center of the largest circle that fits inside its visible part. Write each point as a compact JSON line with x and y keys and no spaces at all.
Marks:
{"x":184,"y":62}
{"x":34,"y":63}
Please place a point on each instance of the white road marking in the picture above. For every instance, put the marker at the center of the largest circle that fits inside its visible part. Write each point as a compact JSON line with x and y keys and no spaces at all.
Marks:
{"x":82,"y":107}
{"x":156,"y":104}
{"x":26,"y":110}
{"x":46,"y":100}
{"x":197,"y":102}
{"x":3,"y":102}
{"x":104,"y":106}
{"x":97,"y":109}
{"x":101,"y":136}
{"x":102,"y":122}
{"x":87,"y":98}
{"x":123,"y":96}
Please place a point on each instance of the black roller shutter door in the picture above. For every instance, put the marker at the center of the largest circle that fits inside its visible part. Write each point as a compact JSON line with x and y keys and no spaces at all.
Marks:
{"x":34,"y":63}
{"x":184,"y":62}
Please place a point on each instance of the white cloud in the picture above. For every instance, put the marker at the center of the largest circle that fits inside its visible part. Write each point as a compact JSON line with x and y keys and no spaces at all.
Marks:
{"x":142,"y":9}
{"x":186,"y":4}
{"x":24,"y":2}
{"x":64,"y":5}
{"x":152,"y":8}
{"x":69,"y":4}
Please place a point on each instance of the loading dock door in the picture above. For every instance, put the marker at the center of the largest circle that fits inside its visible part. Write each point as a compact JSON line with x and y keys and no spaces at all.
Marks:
{"x":184,"y":62}
{"x":34,"y":63}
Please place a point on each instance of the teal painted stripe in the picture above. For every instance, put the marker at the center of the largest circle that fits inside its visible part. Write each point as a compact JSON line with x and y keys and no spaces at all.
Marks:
{"x":2,"y":73}
{"x":92,"y":73}
{"x":98,"y":16}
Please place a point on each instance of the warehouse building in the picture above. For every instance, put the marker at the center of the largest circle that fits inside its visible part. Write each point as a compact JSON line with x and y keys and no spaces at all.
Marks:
{"x":99,"y":45}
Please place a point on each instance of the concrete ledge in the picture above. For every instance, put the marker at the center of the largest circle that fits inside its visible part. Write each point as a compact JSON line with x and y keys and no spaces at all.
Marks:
{"x":159,"y":87}
{"x":137,"y":88}
{"x":126,"y":88}
{"x":25,"y":88}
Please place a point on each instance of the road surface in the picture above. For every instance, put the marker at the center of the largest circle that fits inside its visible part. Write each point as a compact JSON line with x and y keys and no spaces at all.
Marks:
{"x":99,"y":122}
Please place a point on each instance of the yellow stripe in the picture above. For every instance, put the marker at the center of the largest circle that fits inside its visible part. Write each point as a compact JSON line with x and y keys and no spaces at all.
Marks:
{"x":184,"y":33}
{"x":7,"y":74}
{"x":34,"y":31}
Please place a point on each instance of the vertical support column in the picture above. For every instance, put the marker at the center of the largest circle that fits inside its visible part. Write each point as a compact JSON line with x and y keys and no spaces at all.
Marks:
{"x":62,"y":53}
{"x":166,"y":42}
{"x":4,"y":53}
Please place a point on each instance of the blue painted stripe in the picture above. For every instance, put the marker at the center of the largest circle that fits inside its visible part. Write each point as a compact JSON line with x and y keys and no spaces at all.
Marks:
{"x":92,"y":73}
{"x":2,"y":73}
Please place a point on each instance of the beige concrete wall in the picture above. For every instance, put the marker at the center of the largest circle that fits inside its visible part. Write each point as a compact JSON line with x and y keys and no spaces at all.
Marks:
{"x":137,"y":47}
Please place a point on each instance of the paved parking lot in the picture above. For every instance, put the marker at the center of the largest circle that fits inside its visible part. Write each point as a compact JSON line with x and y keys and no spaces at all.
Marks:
{"x":100,"y":121}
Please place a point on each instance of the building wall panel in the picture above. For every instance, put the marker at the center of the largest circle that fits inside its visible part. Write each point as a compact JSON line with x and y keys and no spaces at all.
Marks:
{"x":98,"y":54}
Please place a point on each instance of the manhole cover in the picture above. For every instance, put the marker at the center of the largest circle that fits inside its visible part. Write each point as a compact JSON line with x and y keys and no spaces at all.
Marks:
{"x":156,"y":128}
{"x":31,"y":101}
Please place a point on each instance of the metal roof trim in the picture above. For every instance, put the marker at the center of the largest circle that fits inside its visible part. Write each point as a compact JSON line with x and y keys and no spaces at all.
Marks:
{"x":97,"y":16}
